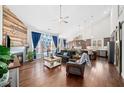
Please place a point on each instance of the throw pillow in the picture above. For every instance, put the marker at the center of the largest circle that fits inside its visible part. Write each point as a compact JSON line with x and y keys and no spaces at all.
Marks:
{"x":65,"y":53}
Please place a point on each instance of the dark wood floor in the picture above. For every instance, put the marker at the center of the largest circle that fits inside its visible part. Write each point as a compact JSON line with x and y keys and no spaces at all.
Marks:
{"x":101,"y":74}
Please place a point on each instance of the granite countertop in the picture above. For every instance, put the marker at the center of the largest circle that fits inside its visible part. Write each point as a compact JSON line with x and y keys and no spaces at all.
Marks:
{"x":14,"y":64}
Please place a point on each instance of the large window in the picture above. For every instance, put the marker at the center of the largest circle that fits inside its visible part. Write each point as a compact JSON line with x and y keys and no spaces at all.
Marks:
{"x":45,"y":44}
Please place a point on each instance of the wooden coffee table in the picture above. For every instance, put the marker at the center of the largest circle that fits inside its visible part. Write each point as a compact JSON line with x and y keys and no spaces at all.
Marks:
{"x":52,"y":62}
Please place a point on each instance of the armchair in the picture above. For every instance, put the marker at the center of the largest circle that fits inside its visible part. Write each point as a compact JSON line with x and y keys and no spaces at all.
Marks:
{"x":77,"y":67}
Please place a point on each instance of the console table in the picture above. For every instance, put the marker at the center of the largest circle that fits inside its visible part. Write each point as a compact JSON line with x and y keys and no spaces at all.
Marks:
{"x":102,"y":53}
{"x":14,"y":72}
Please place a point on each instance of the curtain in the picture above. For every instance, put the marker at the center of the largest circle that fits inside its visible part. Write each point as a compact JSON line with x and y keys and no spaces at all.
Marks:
{"x":59,"y":40}
{"x":35,"y":39}
{"x":55,"y":40}
{"x":64,"y":41}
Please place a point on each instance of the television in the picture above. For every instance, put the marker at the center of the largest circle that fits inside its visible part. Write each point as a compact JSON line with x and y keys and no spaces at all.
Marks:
{"x":8,"y":41}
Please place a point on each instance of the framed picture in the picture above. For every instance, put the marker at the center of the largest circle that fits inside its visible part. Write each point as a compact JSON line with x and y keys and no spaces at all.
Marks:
{"x":106,"y":40}
{"x":94,"y":43}
{"x":99,"y":43}
{"x":88,"y":42}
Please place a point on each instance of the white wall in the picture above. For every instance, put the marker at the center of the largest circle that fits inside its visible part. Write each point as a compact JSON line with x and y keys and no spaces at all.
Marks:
{"x":98,"y":30}
{"x":29,"y":37}
{"x":114,"y":17}
{"x":1,"y":13}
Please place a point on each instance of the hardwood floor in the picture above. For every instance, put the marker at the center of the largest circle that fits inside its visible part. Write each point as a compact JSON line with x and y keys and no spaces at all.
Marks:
{"x":101,"y":74}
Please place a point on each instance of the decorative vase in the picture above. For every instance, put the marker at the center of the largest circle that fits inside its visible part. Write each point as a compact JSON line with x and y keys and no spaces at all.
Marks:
{"x":4,"y":74}
{"x":4,"y":79}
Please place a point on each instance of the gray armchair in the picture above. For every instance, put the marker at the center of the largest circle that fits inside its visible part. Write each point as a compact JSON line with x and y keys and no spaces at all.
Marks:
{"x":77,"y":67}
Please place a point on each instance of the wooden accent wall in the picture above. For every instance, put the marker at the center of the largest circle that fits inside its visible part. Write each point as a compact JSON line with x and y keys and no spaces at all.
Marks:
{"x":13,"y":27}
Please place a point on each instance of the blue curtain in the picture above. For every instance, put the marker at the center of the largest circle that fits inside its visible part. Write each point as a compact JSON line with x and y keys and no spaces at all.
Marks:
{"x":64,"y":41}
{"x":35,"y":39}
{"x":55,"y":40}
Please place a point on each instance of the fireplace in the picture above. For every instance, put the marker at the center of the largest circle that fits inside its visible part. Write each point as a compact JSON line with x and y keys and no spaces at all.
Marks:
{"x":20,"y":57}
{"x":20,"y":52}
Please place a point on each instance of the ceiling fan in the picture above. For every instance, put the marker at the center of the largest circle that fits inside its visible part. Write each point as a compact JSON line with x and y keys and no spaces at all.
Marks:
{"x":62,"y":19}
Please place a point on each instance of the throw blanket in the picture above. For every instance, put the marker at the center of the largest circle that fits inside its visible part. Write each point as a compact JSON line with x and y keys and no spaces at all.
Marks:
{"x":85,"y":58}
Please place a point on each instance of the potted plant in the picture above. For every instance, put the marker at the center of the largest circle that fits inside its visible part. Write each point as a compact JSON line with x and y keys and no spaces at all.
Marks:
{"x":30,"y":56}
{"x":4,"y":62}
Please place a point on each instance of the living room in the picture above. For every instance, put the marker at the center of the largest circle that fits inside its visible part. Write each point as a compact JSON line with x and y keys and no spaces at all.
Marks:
{"x":46,"y":48}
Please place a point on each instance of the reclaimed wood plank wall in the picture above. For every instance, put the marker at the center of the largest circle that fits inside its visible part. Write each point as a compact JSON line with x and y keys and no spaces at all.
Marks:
{"x":13,"y":27}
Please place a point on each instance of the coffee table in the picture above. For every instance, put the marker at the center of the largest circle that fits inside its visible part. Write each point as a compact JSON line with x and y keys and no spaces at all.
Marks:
{"x":52,"y":62}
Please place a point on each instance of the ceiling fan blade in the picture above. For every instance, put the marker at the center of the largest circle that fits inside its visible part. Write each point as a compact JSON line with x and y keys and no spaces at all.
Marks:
{"x":66,"y":17}
{"x":65,"y":21}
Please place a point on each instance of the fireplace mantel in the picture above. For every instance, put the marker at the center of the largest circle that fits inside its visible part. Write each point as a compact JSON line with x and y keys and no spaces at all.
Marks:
{"x":16,"y":50}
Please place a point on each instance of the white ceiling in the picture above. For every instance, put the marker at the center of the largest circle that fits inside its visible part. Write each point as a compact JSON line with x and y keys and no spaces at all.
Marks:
{"x":44,"y":17}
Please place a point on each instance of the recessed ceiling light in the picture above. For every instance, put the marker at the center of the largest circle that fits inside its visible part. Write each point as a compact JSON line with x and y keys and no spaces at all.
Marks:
{"x":105,"y":12}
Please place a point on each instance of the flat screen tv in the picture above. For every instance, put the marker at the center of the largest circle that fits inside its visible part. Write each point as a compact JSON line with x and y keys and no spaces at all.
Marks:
{"x":8,"y":41}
